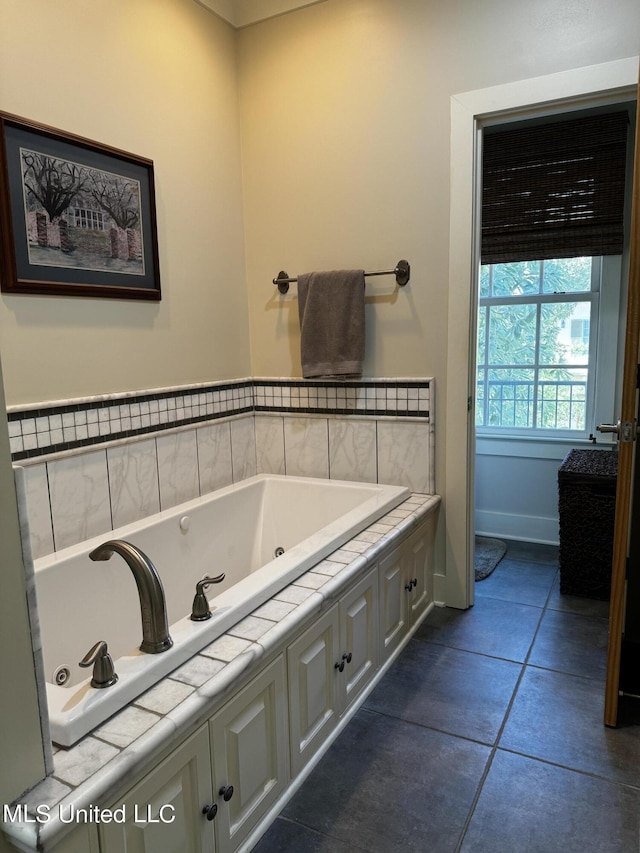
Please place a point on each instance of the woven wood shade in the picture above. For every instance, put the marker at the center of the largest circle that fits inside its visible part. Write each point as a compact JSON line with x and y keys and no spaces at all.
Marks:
{"x":554,"y":190}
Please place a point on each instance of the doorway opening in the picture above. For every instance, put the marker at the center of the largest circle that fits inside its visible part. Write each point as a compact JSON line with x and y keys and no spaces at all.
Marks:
{"x":547,"y":359}
{"x":557,"y":93}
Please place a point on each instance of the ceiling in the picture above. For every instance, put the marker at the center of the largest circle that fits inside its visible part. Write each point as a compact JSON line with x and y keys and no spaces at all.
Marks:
{"x":241,"y":13}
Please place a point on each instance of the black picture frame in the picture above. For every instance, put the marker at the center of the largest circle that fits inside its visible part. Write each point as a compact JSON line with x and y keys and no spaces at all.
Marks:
{"x":77,"y":218}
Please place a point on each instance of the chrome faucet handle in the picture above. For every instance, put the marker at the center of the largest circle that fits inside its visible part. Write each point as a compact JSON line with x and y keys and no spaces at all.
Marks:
{"x":200,"y":607}
{"x":104,"y":675}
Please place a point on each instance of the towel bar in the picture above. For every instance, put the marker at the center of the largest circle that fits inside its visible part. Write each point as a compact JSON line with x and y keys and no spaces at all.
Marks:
{"x":402,"y":272}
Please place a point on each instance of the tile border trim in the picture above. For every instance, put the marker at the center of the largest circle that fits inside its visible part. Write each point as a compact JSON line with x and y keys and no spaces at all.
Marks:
{"x":47,"y":428}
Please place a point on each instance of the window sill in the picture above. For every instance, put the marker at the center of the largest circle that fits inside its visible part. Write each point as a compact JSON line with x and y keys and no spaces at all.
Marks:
{"x":541,"y":447}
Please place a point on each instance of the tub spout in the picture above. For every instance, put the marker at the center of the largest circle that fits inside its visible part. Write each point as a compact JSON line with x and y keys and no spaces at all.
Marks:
{"x":153,"y":608}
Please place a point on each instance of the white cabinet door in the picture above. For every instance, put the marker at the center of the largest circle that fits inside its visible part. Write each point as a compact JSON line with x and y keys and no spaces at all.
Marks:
{"x":329,"y":665}
{"x":249,"y":739}
{"x":419,"y":566}
{"x":359,"y":636}
{"x":313,"y":687}
{"x":394,"y":604}
{"x":164,"y":812}
{"x":406,"y":587}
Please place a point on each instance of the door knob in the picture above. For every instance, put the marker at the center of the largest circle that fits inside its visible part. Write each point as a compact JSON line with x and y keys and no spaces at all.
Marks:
{"x":609,"y":428}
{"x":226,"y":792}
{"x":625,"y":430}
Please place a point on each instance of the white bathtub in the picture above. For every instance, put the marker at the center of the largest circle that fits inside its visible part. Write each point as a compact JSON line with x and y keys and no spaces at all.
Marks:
{"x":235,"y":530}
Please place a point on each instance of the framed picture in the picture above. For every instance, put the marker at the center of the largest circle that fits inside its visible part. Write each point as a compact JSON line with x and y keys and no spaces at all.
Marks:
{"x":77,"y":218}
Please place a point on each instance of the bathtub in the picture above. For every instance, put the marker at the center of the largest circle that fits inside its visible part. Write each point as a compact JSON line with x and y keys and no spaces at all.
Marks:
{"x":237,"y":530}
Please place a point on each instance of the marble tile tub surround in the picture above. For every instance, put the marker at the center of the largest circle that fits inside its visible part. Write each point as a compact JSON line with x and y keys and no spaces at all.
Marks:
{"x":74,"y":496}
{"x":91,"y":488}
{"x":95,"y":770}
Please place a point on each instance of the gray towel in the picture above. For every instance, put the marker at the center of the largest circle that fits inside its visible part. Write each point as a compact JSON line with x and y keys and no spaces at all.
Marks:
{"x":331,"y":310}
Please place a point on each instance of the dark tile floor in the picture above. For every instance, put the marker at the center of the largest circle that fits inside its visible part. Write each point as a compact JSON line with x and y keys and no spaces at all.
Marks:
{"x":486,"y":735}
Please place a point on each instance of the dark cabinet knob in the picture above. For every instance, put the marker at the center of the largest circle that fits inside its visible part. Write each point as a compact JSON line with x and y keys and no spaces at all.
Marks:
{"x":415,"y":581}
{"x":346,"y":658}
{"x":210,"y":811}
{"x":409,"y":586}
{"x":226,"y":792}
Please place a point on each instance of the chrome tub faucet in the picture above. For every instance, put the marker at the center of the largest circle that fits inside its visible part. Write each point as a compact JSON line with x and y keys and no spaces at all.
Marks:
{"x":153,"y":608}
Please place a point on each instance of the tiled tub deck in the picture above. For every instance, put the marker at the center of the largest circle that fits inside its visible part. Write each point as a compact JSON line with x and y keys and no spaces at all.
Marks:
{"x":107,"y":762}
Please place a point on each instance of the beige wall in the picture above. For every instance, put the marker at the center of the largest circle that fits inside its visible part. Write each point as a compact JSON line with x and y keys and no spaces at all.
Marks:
{"x":345,"y":132}
{"x":345,"y":148}
{"x":156,"y":78}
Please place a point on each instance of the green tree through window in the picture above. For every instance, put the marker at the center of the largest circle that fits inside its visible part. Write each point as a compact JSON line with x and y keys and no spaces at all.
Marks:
{"x":534,"y":342}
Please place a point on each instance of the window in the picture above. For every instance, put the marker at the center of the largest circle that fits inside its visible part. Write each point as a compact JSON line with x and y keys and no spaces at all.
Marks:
{"x":82,"y":217}
{"x":536,"y":354}
{"x":551,"y":242}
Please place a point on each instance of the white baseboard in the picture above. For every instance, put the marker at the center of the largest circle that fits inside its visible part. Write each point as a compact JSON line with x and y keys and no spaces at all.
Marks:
{"x":526,"y":528}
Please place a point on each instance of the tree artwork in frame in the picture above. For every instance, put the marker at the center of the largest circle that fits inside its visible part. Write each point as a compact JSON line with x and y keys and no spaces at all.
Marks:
{"x":77,"y":218}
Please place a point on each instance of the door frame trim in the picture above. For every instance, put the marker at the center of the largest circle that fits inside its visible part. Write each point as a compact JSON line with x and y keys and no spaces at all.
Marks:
{"x":553,"y":93}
